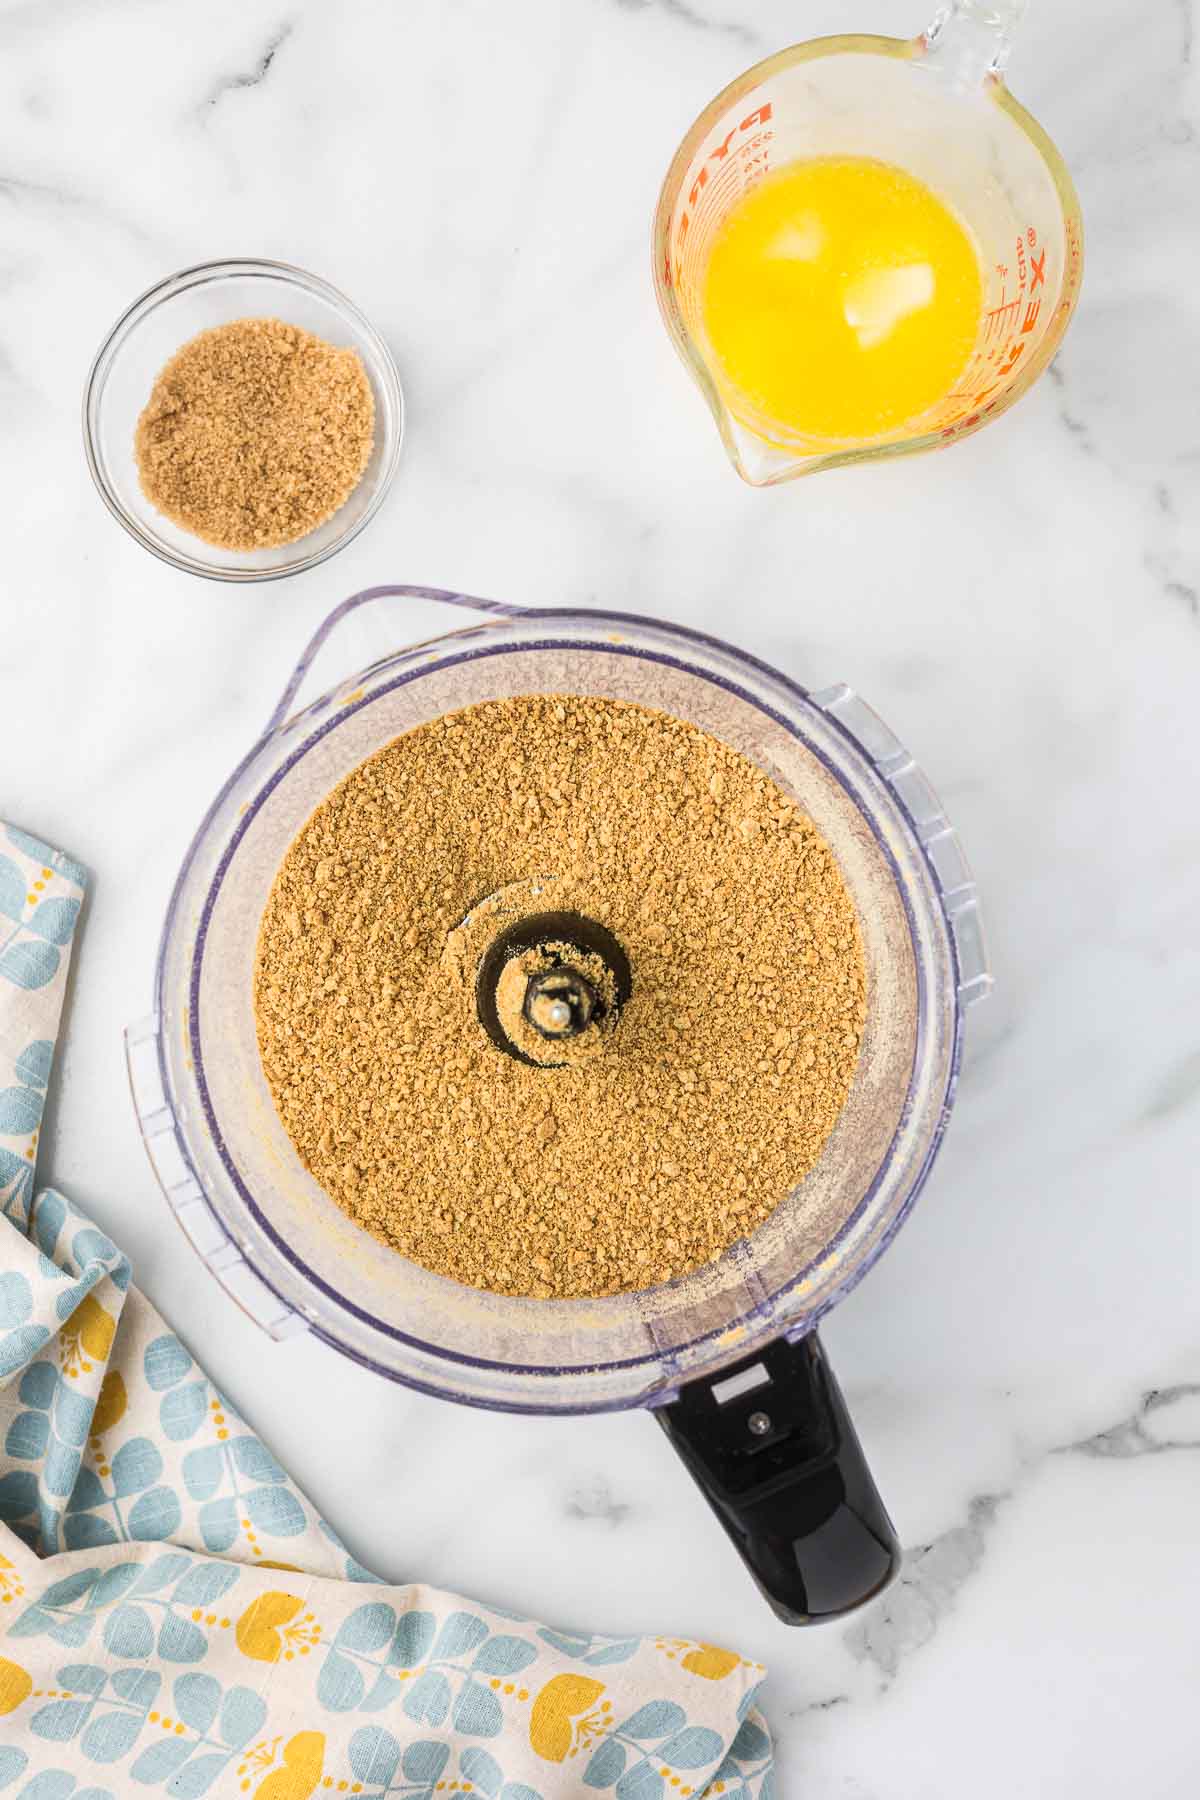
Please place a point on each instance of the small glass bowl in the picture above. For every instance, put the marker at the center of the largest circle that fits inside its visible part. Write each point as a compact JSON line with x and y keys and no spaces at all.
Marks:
{"x":145,"y":338}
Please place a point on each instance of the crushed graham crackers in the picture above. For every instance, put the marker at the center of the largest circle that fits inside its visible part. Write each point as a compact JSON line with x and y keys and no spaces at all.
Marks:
{"x":683,"y":1129}
{"x":255,"y":433}
{"x":551,"y":1052}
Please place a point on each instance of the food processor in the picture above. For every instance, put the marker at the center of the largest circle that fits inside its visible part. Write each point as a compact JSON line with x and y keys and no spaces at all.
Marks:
{"x":726,"y":1357}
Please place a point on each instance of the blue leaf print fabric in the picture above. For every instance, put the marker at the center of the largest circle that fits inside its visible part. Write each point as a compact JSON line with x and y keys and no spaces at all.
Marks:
{"x":175,"y":1618}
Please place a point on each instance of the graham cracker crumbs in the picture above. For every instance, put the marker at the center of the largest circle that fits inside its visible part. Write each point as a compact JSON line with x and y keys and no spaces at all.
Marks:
{"x":686,"y":1124}
{"x":255,"y":433}
{"x":510,"y":999}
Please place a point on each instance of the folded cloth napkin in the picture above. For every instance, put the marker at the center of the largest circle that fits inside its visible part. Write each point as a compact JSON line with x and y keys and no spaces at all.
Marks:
{"x":175,"y":1617}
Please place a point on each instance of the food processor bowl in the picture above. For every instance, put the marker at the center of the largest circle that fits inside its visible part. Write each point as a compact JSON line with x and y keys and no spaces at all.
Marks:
{"x":708,"y":1350}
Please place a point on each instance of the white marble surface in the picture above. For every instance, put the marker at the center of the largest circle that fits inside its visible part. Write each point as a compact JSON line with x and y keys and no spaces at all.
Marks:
{"x":1025,"y":1364}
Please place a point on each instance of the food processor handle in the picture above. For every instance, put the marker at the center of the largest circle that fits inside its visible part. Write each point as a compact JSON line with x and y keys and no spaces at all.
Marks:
{"x":772,"y":1447}
{"x":367,"y":597}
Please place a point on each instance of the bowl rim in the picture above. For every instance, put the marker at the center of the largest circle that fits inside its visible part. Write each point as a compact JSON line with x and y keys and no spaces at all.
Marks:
{"x":195,"y":275}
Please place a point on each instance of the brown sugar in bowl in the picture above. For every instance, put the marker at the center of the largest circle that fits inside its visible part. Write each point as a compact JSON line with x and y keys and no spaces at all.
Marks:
{"x":255,"y":433}
{"x":146,"y":338}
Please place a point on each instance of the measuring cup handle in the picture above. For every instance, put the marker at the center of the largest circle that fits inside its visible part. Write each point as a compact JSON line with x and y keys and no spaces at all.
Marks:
{"x":969,"y":40}
{"x":402,"y":591}
{"x":771,"y":1445}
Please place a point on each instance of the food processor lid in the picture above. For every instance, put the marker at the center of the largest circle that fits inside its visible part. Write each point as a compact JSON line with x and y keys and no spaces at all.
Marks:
{"x":295,"y":1262}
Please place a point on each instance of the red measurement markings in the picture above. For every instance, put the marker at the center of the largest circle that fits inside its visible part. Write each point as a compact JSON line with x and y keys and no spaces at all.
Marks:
{"x":734,"y":177}
{"x":999,"y":320}
{"x":977,"y":370}
{"x":1011,"y":322}
{"x":718,"y":196}
{"x":711,"y":164}
{"x":1073,"y":269}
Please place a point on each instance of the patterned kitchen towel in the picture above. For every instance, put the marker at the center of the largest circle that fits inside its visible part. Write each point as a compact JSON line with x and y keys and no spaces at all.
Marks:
{"x":176,"y":1618}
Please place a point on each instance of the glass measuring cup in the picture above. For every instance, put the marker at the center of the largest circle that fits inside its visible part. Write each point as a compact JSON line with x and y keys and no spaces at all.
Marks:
{"x":937,"y":107}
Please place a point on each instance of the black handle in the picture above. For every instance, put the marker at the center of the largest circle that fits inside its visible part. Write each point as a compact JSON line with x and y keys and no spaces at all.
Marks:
{"x":770,"y":1442}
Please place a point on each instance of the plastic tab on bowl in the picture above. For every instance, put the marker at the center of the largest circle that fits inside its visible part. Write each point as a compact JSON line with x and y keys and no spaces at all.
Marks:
{"x":864,"y":725}
{"x":941,"y":843}
{"x":184,"y":1193}
{"x":975,"y":979}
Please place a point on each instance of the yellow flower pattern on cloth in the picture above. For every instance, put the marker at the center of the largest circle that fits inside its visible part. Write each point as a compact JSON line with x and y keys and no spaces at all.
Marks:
{"x":111,"y":1405}
{"x":299,"y":1773}
{"x":710,"y":1662}
{"x":11,"y":1585}
{"x":16,"y":1685}
{"x":562,"y":1721}
{"x":274,"y":1626}
{"x":175,"y":1618}
{"x":705,"y":1659}
{"x":87,"y":1338}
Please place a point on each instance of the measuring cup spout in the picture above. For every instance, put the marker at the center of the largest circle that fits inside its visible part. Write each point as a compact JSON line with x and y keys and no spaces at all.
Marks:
{"x":967,"y":41}
{"x":757,"y":460}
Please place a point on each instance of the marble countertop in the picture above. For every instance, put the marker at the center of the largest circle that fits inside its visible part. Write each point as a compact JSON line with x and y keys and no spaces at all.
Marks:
{"x":1024,"y":1365}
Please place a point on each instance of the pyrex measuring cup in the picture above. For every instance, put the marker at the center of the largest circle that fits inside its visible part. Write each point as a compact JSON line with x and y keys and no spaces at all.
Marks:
{"x":727,"y":1356}
{"x":936,"y":106}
